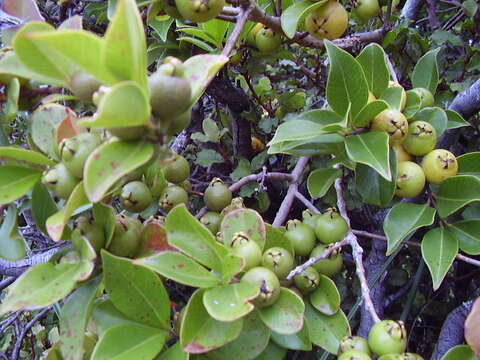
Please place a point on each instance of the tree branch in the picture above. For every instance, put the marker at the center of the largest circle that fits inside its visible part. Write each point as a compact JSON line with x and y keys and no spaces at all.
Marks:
{"x":27,"y":327}
{"x":328,"y":251}
{"x":259,"y":16}
{"x":286,"y":204}
{"x":452,"y":332}
{"x":411,"y":9}
{"x":432,"y":16}
{"x":306,"y":202}
{"x":466,"y":104}
{"x":357,"y":253}
{"x":16,"y":268}
{"x":240,"y":23}
{"x":414,"y":244}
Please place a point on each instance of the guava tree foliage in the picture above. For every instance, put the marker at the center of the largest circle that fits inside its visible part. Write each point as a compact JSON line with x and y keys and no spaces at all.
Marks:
{"x":156,"y":191}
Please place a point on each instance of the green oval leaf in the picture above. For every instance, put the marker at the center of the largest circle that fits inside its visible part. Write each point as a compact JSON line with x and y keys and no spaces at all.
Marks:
{"x":320,"y":180}
{"x":368,"y":112}
{"x":370,"y":149}
{"x":468,"y":235}
{"x":393,"y":97}
{"x":109,"y":162}
{"x":230,"y":302}
{"x":29,"y":156}
{"x":469,"y":164}
{"x":296,"y":130}
{"x":125,"y":48}
{"x":74,"y":317}
{"x":56,"y":223}
{"x":295,"y":13}
{"x":413,"y":104}
{"x":129,"y":341}
{"x":437,"y":117}
{"x":43,"y":206}
{"x":136,"y":291}
{"x":326,"y":297}
{"x":87,"y":257}
{"x":346,"y":84}
{"x":12,"y":244}
{"x":32,"y":55}
{"x":40,"y":286}
{"x":104,"y":216}
{"x":298,"y":341}
{"x":285,"y":316}
{"x":324,"y":118}
{"x":15,"y":181}
{"x":198,"y":43}
{"x":463,"y":352}
{"x":276,"y":237}
{"x":179,"y":268}
{"x":403,"y":219}
{"x":326,"y":331}
{"x":243,"y":220}
{"x":272,"y":351}
{"x":425,"y":73}
{"x":455,"y":120}
{"x":106,"y":316}
{"x":456,"y":192}
{"x":83,"y":49}
{"x":439,"y":248}
{"x":372,"y":60}
{"x":319,"y":145}
{"x":174,"y":352}
{"x":10,"y":65}
{"x":248,"y":345}
{"x":186,"y":233}
{"x":124,"y":105}
{"x":200,"y":333}
{"x":373,"y":188}
{"x":199,"y":69}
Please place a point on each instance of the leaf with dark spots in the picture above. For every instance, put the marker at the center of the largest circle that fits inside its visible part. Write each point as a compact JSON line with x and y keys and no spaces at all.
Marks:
{"x":73,"y":320}
{"x":136,"y":291}
{"x":125,"y":156}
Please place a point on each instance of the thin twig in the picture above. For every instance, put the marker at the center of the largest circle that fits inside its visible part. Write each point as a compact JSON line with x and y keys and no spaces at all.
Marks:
{"x":432,"y":16}
{"x":28,"y":326}
{"x":230,"y":11}
{"x":286,"y":204}
{"x":357,"y":252}
{"x":327,"y":252}
{"x":7,"y":322}
{"x":15,"y":268}
{"x":273,"y":176}
{"x":237,"y":30}
{"x":392,"y":69}
{"x":414,"y":244}
{"x":258,"y":15}
{"x":306,"y":202}
{"x":6,"y":282}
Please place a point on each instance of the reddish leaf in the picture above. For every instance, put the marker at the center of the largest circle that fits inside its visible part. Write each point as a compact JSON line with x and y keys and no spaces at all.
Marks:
{"x":154,"y":238}
{"x":67,"y":128}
